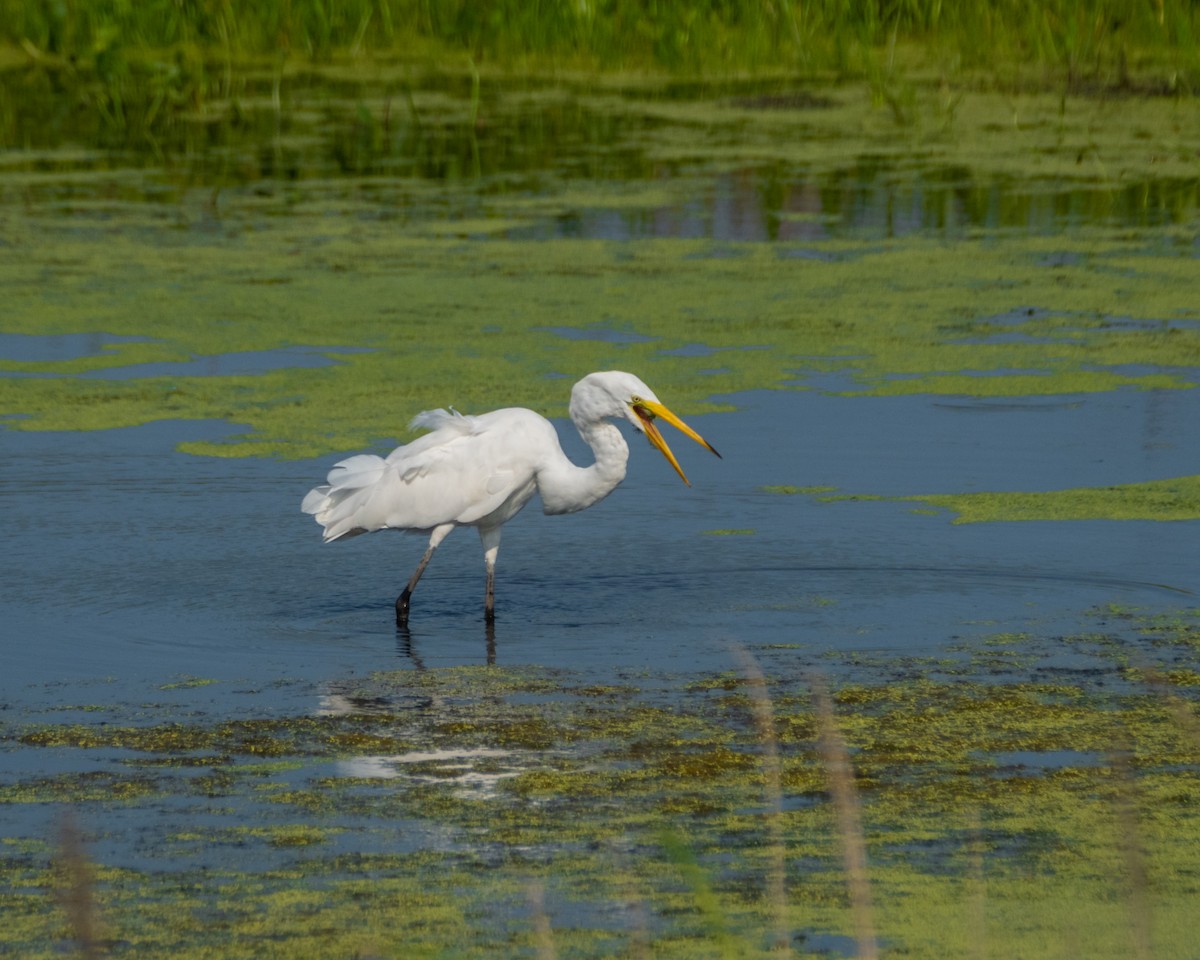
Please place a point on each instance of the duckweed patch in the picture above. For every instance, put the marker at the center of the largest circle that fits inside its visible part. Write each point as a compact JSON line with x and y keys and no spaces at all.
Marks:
{"x":95,"y":786}
{"x":407,"y":295}
{"x":255,"y":738}
{"x":288,"y":835}
{"x":1173,"y":499}
{"x":675,"y":299}
{"x":652,"y":794}
{"x":1177,"y":498}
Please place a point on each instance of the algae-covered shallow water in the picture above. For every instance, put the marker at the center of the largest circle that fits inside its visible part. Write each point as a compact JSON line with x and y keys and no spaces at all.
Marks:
{"x":950,"y":362}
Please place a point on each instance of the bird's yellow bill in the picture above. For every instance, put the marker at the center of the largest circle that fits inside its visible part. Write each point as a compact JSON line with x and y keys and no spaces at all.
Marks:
{"x":647,"y":410}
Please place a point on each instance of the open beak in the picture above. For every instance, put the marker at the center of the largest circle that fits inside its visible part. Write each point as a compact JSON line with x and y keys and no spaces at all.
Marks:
{"x":646,"y":411}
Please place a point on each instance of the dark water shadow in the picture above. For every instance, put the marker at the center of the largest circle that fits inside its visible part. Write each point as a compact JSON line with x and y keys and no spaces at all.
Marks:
{"x":408,"y":646}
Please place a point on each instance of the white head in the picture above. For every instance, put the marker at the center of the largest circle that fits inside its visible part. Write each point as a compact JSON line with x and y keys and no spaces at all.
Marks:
{"x":615,"y":393}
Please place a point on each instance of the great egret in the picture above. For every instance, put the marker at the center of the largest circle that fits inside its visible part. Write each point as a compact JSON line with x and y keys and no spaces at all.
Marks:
{"x":480,"y":471}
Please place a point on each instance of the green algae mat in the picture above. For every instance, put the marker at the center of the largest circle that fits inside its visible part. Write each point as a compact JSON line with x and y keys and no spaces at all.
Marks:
{"x":1007,"y":806}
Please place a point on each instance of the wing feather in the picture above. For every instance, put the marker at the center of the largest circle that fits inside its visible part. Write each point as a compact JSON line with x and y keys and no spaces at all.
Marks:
{"x":464,"y":470}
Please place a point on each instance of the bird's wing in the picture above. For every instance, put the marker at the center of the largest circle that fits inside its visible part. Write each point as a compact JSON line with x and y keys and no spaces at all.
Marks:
{"x":464,"y":470}
{"x":442,"y":419}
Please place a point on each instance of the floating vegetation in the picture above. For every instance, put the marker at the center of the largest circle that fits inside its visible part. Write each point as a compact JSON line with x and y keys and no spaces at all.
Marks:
{"x":868,"y":310}
{"x":654,"y":792}
{"x":188,"y":683}
{"x":1175,"y":499}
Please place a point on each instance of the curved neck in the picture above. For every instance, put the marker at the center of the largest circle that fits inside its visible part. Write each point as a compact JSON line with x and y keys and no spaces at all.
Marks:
{"x":566,"y":488}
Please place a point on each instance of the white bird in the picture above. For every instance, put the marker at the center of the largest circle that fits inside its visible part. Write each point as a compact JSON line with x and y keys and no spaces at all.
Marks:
{"x":480,"y":471}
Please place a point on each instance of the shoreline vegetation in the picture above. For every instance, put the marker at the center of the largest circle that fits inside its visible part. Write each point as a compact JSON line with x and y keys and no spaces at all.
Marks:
{"x":1084,"y":37}
{"x":182,"y":53}
{"x":140,"y":77}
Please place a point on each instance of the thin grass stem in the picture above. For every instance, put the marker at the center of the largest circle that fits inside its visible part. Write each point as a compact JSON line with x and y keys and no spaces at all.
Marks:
{"x":77,"y":893}
{"x":849,"y":819}
{"x":543,"y":935}
{"x":978,"y":890}
{"x":1133,"y":856}
{"x":772,"y":772}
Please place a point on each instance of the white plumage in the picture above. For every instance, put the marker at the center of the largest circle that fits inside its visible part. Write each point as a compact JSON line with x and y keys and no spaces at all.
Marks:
{"x":460,"y":473}
{"x":481,"y":470}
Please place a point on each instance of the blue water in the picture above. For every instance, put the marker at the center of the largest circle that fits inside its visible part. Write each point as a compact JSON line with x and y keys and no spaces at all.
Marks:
{"x":134,"y":564}
{"x":43,"y":347}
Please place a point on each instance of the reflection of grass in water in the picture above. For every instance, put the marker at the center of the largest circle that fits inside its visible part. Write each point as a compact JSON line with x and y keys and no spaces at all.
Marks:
{"x":1088,"y":850}
{"x":1078,"y":38}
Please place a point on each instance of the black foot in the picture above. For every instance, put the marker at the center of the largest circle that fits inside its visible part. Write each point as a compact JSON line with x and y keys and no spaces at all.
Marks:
{"x":402,"y":609}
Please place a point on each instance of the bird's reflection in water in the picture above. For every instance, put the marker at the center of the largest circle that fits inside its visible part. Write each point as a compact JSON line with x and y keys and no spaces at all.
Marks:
{"x":408,"y":646}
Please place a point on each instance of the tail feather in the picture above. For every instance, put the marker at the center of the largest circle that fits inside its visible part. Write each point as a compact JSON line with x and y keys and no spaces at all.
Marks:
{"x":361,"y":470}
{"x":314,"y":499}
{"x":365,"y":492}
{"x":339,"y":505}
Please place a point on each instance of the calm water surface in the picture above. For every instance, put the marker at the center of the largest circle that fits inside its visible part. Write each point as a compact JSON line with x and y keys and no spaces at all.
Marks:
{"x":141,"y":563}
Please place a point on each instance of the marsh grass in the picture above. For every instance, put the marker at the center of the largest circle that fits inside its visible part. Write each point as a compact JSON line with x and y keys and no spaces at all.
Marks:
{"x":137,"y":66}
{"x":1180,"y":711}
{"x":977,"y":881}
{"x":705,"y":901}
{"x":77,"y":889}
{"x":772,"y":774}
{"x":543,"y":935}
{"x":1078,"y":35}
{"x":1133,"y":856}
{"x":844,"y":796}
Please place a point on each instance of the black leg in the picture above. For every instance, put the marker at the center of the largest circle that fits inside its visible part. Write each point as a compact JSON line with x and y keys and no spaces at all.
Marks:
{"x":438,"y":535}
{"x":491,"y":547}
{"x":489,"y":603}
